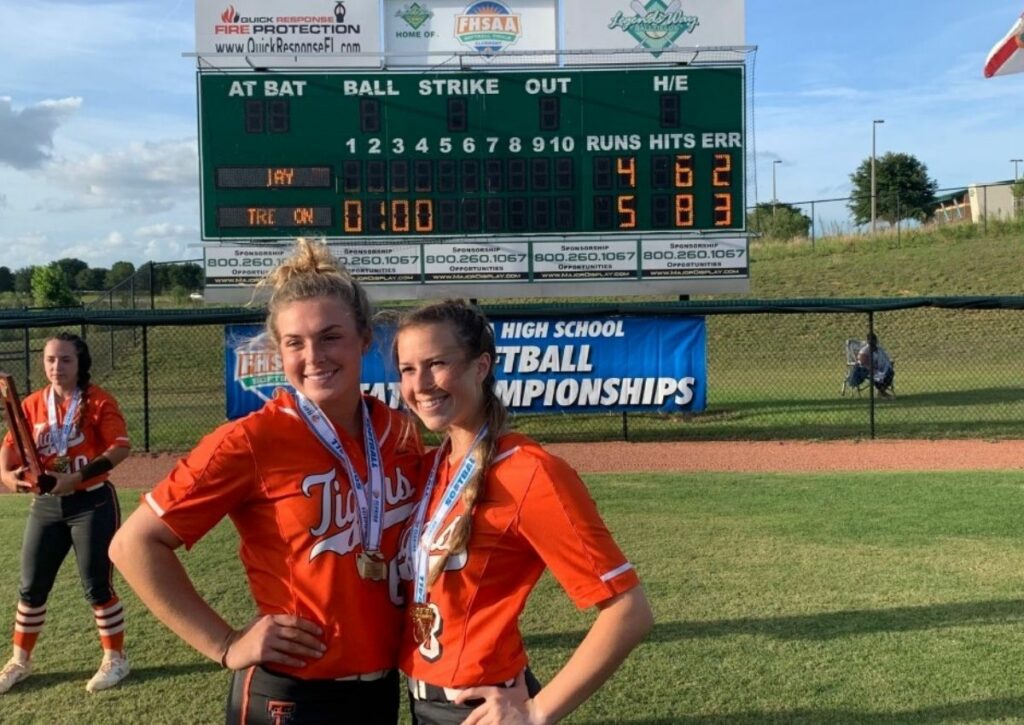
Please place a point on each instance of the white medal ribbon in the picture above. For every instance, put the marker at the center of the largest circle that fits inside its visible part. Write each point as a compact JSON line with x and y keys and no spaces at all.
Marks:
{"x":61,"y":434}
{"x":419,"y":545}
{"x":371,"y":508}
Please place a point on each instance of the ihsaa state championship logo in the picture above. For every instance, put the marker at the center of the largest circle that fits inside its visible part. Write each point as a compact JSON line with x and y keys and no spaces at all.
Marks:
{"x":258,"y":368}
{"x":488,"y":27}
{"x":656,"y":25}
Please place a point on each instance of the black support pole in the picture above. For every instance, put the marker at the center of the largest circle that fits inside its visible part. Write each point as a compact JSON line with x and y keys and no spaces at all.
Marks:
{"x":871,"y":374}
{"x":145,"y":387}
{"x":28,"y":361}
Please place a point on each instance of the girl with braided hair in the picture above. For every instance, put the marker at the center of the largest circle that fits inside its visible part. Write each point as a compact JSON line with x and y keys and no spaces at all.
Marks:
{"x":318,"y":483}
{"x":80,"y":435}
{"x":496,"y":510}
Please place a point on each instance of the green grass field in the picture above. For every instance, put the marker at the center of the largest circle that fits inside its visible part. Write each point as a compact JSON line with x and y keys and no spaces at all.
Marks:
{"x":855,"y":598}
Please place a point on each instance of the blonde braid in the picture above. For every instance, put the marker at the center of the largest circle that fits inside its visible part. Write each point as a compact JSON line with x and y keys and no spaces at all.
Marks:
{"x":475,"y":337}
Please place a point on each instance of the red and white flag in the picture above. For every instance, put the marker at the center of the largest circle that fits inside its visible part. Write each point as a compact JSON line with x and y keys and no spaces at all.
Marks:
{"x":1008,"y":54}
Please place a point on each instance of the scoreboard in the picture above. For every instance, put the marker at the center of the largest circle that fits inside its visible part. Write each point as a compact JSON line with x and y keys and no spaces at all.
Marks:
{"x":426,"y":156}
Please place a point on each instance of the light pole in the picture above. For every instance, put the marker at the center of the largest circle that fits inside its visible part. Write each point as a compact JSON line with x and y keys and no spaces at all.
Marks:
{"x":775,"y":196}
{"x":1015,"y":162}
{"x":874,"y":197}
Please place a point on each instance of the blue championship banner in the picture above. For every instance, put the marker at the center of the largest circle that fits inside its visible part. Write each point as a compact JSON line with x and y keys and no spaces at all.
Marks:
{"x":545,"y":365}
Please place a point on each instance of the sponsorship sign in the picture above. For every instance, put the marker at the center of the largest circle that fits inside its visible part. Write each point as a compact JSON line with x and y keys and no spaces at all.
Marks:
{"x":656,"y":26}
{"x":523,"y":263}
{"x":298,"y":33}
{"x":387,"y":263}
{"x":584,"y":259}
{"x":689,"y":257}
{"x":428,"y":32}
{"x":474,"y":261}
{"x":545,"y":365}
{"x":245,"y":265}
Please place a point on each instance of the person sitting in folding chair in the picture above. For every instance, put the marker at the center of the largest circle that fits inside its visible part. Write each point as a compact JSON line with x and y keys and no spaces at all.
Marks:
{"x":873,"y":356}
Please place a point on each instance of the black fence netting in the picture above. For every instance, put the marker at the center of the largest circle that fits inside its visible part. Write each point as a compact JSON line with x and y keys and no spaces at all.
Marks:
{"x":775,"y":369}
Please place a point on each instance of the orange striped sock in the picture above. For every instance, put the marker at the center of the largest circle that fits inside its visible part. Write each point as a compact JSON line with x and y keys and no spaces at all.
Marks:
{"x":110,"y":623}
{"x":28,"y":623}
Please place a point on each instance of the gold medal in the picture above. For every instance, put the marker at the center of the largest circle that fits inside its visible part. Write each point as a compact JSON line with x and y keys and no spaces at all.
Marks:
{"x":371,"y":565}
{"x":62,"y":464}
{"x":422,"y":622}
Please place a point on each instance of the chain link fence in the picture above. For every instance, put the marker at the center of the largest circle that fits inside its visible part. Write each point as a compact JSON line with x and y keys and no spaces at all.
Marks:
{"x":775,"y":370}
{"x":976,"y":203}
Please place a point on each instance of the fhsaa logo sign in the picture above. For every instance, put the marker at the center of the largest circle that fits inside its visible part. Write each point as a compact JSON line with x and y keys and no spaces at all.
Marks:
{"x":258,"y":368}
{"x":488,"y":27}
{"x":656,"y":25}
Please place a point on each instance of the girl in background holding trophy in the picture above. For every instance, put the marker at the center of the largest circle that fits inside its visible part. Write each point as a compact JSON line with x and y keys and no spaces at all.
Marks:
{"x":318,"y":484}
{"x":496,"y":510}
{"x":79,"y":434}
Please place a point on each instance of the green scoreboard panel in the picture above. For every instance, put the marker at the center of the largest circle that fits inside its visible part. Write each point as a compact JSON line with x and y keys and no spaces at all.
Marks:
{"x":421,"y":155}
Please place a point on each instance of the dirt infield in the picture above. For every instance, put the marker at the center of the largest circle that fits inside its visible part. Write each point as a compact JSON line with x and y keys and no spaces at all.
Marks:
{"x":142,"y":471}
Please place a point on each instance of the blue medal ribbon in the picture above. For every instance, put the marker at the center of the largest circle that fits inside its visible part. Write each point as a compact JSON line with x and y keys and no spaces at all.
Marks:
{"x":60,"y":434}
{"x":370,"y":502}
{"x":421,"y":540}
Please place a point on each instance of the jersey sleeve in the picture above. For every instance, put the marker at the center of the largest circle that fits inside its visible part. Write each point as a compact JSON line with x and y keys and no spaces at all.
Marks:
{"x":213,"y":480}
{"x":113,"y":431}
{"x":560,"y":520}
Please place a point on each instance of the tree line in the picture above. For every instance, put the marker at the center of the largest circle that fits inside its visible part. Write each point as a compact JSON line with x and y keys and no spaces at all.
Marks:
{"x":63,"y":283}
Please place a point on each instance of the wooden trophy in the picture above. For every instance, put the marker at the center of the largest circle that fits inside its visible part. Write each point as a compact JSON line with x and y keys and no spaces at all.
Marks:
{"x":22,"y":434}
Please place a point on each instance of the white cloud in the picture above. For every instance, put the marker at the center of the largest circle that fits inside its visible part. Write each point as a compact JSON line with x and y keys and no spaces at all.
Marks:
{"x":165,"y":230}
{"x":26,"y":249}
{"x":102,"y":251}
{"x":26,"y":135}
{"x":144,"y":178}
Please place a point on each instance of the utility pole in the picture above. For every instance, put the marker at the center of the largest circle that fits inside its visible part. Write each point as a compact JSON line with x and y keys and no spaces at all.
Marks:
{"x":874,"y":195}
{"x":775,"y":196}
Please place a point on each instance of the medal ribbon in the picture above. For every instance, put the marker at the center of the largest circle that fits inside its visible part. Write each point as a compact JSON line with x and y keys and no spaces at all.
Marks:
{"x":61,"y":434}
{"x":371,"y":509}
{"x":419,"y":544}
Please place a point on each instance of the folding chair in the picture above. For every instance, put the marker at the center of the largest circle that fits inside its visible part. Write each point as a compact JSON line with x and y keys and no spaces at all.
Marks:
{"x":857,"y":378}
{"x":852,"y":381}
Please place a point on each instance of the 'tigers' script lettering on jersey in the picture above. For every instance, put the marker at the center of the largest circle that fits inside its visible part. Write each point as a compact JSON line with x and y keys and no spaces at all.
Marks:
{"x":44,"y":441}
{"x":337,"y":530}
{"x":439,"y":547}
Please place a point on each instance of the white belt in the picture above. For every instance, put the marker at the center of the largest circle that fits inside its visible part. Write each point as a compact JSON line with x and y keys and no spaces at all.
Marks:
{"x":365,"y":677}
{"x":418,"y":688}
{"x":96,"y":486}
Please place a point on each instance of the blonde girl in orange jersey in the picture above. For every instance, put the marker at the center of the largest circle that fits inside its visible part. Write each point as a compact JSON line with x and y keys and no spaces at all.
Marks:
{"x":496,"y":510}
{"x":301,"y":480}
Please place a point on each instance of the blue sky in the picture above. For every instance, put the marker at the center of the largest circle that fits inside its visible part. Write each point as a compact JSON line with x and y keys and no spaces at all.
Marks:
{"x":98,"y":134}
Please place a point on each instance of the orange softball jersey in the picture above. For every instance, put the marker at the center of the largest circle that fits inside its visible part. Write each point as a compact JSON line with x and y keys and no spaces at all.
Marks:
{"x":534,"y":512}
{"x":297,"y":518}
{"x":100,"y":426}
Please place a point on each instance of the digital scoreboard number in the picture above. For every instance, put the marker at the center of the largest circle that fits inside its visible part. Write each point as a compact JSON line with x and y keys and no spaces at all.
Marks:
{"x":624,"y":151}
